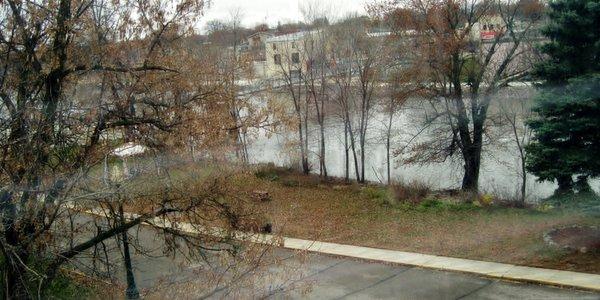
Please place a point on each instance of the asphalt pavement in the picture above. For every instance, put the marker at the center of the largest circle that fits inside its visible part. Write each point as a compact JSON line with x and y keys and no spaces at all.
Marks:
{"x":300,"y":275}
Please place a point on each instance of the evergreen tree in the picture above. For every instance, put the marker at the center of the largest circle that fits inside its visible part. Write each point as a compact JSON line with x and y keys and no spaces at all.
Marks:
{"x":567,"y":133}
{"x":573,"y":49}
{"x":567,"y":138}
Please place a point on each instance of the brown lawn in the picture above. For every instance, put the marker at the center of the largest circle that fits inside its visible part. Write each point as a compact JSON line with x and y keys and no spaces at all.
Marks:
{"x":304,"y":207}
{"x":307,"y":207}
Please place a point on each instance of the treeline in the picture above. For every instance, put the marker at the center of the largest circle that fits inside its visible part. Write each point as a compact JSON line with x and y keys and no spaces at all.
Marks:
{"x":434,"y":51}
{"x":431,"y":51}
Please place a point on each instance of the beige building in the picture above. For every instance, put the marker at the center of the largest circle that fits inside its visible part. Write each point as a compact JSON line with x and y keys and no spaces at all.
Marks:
{"x":256,"y":45}
{"x":288,"y":54}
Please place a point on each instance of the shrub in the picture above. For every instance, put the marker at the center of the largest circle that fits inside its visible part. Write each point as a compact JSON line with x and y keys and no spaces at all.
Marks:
{"x":267,"y":172}
{"x":439,"y":205}
{"x":486,"y":200}
{"x":431,"y":204}
{"x":374,"y":192}
{"x":413,"y":193}
{"x":290,"y":183}
{"x":65,"y":287}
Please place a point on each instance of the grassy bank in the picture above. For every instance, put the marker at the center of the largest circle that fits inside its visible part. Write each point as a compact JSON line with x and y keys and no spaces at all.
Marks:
{"x":406,"y":217}
{"x":426,"y":222}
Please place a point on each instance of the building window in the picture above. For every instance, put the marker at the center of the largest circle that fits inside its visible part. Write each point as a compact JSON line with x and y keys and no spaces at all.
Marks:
{"x":274,"y":46}
{"x":296,"y":58}
{"x":277,"y":59}
{"x":293,"y":45}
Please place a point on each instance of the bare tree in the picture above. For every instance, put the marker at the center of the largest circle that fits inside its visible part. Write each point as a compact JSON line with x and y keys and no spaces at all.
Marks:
{"x":515,"y":112}
{"x":316,"y":86}
{"x":238,"y":65}
{"x":76,"y":78}
{"x":466,"y":70}
{"x":342,"y":72}
{"x":403,"y":84}
{"x":367,"y":54}
{"x":315,"y":78}
{"x":290,"y":73}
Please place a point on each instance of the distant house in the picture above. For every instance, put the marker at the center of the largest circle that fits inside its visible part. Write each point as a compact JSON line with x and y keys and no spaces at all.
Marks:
{"x":489,"y":27}
{"x":288,"y":53}
{"x":492,"y":26}
{"x":258,"y":39}
{"x":255,"y":45}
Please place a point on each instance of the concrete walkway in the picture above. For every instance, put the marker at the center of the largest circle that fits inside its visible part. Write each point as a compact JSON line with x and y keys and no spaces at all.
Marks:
{"x":483,"y":268}
{"x":487,"y":269}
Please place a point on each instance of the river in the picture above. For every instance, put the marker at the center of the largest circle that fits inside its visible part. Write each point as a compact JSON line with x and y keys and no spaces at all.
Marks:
{"x":499,"y":175}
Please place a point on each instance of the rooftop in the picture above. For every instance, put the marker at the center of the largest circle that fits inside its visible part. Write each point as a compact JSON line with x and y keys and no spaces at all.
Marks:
{"x":290,"y":37}
{"x":260,"y":33}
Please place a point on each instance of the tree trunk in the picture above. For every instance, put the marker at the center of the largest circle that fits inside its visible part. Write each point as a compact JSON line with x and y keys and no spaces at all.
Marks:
{"x":353,"y":146}
{"x":13,"y":270}
{"x":582,"y":185}
{"x":472,"y":158}
{"x":523,"y":182}
{"x":192,"y":149}
{"x":245,"y":147}
{"x":14,"y":275}
{"x":321,"y":120}
{"x":322,"y":155}
{"x":346,"y":153}
{"x":387,"y":147}
{"x":361,"y":139}
{"x":307,"y":170}
{"x":362,"y":158}
{"x":565,"y":185}
{"x":304,"y":160}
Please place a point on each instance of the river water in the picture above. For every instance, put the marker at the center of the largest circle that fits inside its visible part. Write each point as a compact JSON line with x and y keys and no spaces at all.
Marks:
{"x":500,"y":170}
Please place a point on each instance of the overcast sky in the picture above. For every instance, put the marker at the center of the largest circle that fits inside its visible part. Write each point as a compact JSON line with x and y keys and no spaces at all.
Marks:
{"x":273,"y":11}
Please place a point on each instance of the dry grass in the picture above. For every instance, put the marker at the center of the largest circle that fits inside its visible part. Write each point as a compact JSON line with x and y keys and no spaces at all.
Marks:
{"x":307,"y":207}
{"x":352,"y":214}
{"x":412,"y":193}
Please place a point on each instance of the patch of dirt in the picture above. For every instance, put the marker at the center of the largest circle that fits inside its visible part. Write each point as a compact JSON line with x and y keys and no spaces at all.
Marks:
{"x":573,"y":261}
{"x":582,"y":238}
